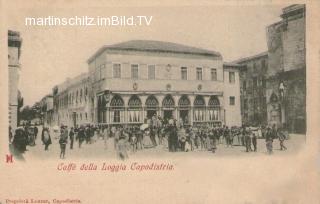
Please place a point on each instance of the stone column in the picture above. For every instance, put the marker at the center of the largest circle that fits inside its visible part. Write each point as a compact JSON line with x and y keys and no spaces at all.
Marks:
{"x":143,"y":103}
{"x":176,"y":112}
{"x":125,"y":99}
{"x":206,"y":100}
{"x":160,"y":99}
{"x":191,"y":98}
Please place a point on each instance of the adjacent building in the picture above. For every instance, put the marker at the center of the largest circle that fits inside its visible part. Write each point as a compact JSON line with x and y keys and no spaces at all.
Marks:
{"x":286,"y":85}
{"x":14,"y":53}
{"x":273,"y":83}
{"x":253,"y":75}
{"x":134,"y":80}
{"x":46,"y":104}
{"x":72,"y":100}
{"x":128,"y":83}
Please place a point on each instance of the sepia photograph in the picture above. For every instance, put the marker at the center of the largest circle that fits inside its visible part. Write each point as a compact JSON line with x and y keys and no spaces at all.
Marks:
{"x":150,"y":96}
{"x":159,"y":102}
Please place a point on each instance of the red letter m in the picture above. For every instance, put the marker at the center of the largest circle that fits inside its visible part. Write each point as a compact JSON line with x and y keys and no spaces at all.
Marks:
{"x":9,"y":158}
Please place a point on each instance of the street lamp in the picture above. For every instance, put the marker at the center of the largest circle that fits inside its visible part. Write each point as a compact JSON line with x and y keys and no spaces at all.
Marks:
{"x":282,"y":90}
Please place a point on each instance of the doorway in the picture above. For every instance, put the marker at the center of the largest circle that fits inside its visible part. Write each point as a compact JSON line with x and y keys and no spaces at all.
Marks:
{"x":167,"y":114}
{"x":184,"y":116}
{"x":151,"y":113}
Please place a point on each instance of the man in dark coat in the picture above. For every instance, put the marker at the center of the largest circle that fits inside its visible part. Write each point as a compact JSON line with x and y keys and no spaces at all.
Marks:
{"x":269,"y":140}
{"x":247,"y":140}
{"x":88,"y":134}
{"x":227,"y":135}
{"x":36,"y":132}
{"x":254,"y":142}
{"x":63,"y":142}
{"x":71,"y":136}
{"x":173,"y":138}
{"x":81,"y":136}
{"x":19,"y":141}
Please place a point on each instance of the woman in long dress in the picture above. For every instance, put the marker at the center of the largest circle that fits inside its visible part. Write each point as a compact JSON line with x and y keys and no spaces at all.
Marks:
{"x":122,"y":148}
{"x":236,"y":137}
{"x":45,"y":137}
{"x":147,"y":143}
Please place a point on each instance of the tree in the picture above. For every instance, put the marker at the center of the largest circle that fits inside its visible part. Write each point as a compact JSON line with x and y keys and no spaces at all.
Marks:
{"x":26,"y":113}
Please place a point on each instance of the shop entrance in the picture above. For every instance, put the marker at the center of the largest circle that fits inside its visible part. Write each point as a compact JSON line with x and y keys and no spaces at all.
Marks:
{"x":167,"y":114}
{"x":184,"y":116}
{"x":151,"y":113}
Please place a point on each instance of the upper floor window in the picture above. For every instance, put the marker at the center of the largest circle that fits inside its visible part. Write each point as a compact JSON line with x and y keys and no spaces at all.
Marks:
{"x":255,"y":82}
{"x":184,"y":73}
{"x":134,"y":71}
{"x":245,"y":104}
{"x":232,"y":101}
{"x":151,"y":71}
{"x":263,"y":82}
{"x":232,"y":78}
{"x":254,"y":67}
{"x":72,"y":97}
{"x":199,"y":73}
{"x":97,"y":75}
{"x":213,"y":74}
{"x":80,"y":95}
{"x":102,"y":71}
{"x":244,"y":85}
{"x":116,"y":70}
{"x":263,"y":64}
{"x":255,"y":104}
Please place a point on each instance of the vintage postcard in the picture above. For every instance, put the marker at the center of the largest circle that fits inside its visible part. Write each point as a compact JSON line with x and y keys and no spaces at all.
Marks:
{"x":160,"y":102}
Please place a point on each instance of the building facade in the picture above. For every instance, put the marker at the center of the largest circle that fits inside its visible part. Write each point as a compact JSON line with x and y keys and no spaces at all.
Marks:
{"x":286,"y":85}
{"x":273,"y":83}
{"x":46,"y":104}
{"x":134,"y":80}
{"x":253,"y":75}
{"x":71,"y":101}
{"x":129,"y":82}
{"x":14,"y":53}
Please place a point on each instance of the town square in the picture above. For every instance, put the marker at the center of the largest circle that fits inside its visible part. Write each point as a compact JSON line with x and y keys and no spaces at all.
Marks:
{"x":142,"y":98}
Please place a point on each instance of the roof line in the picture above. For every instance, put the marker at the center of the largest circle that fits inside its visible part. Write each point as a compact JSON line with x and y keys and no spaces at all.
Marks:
{"x":244,"y":59}
{"x":114,"y":47}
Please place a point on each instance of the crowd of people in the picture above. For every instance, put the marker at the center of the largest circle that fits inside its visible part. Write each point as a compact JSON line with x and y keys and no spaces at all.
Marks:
{"x":171,"y":135}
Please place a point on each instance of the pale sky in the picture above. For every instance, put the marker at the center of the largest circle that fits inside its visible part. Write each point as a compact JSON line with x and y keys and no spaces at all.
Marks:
{"x":51,"y":54}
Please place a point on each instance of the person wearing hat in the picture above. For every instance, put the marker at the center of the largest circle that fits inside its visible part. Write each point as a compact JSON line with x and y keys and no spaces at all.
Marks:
{"x":71,"y":136}
{"x":81,"y":135}
{"x":63,"y":142}
{"x":247,"y":139}
{"x":172,"y":138}
{"x":254,"y":141}
{"x":269,"y":140}
{"x":192,"y":138}
{"x":45,"y":137}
